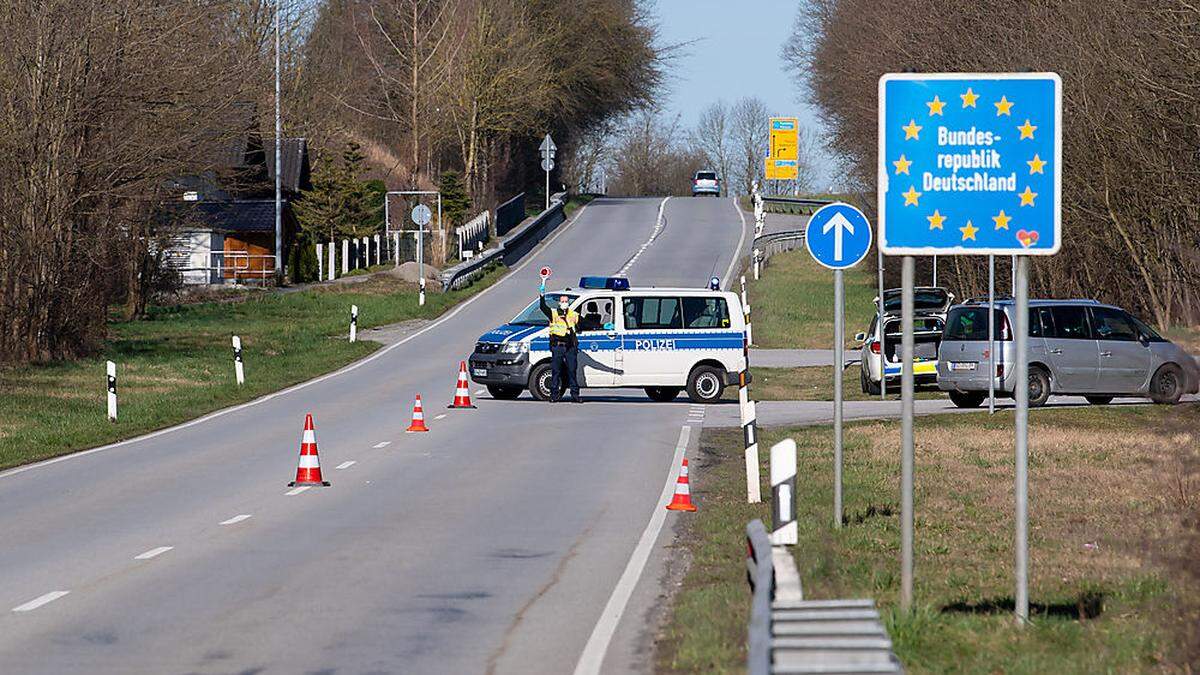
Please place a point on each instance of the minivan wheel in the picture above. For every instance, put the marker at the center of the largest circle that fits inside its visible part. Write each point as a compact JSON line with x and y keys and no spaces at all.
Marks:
{"x":868,"y":386}
{"x":1039,"y":387}
{"x":967,"y":399}
{"x":539,"y":382}
{"x":705,"y":385}
{"x":1167,"y":385}
{"x":504,"y":392}
{"x":1099,"y":400}
{"x":663,"y":394}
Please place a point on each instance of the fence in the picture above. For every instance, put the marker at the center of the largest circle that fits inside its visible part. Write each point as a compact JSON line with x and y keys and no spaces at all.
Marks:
{"x":235,"y":267}
{"x":511,"y":248}
{"x":472,"y":235}
{"x":510,"y":214}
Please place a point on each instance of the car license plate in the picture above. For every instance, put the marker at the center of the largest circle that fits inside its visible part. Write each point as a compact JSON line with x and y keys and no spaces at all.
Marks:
{"x":479,"y":372}
{"x":962,"y":365}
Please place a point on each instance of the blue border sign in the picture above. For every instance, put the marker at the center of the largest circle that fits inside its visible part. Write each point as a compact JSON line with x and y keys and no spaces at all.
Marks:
{"x":838,"y":236}
{"x":970,"y":163}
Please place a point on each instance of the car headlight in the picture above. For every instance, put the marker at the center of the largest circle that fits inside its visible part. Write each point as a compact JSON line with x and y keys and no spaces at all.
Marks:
{"x":514,"y":348}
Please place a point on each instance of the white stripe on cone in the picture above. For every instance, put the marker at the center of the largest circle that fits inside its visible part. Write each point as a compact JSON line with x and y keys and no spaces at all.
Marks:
{"x":309,"y":462}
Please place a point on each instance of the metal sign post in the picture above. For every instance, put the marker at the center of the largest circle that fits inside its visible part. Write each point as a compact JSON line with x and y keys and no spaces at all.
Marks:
{"x":971,"y":164}
{"x":838,"y":236}
{"x":547,"y":150}
{"x":991,"y":335}
{"x":882,"y":335}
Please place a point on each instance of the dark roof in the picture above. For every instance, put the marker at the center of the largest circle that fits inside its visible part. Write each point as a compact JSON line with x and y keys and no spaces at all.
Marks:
{"x":293,"y":157}
{"x":248,"y":215}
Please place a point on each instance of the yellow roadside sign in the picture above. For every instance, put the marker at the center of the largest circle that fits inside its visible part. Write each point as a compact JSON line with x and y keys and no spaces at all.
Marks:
{"x":785,"y":138}
{"x":781,"y":169}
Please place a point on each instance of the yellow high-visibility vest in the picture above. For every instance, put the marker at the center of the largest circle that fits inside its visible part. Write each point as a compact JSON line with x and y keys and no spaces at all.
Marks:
{"x":561,"y":325}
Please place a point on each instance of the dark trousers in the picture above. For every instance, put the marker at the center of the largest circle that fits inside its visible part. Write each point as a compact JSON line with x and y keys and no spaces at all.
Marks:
{"x":563,"y":358}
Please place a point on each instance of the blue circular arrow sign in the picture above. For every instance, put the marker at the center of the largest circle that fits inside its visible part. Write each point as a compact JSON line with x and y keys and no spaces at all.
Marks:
{"x":838,"y":236}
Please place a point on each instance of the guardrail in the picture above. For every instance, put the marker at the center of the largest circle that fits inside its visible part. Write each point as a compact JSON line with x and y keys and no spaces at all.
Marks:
{"x":511,"y":248}
{"x":788,"y":634}
{"x":793,"y":205}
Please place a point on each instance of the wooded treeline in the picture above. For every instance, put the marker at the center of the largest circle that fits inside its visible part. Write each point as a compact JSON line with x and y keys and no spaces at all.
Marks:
{"x":108,"y":103}
{"x":1131,"y":124}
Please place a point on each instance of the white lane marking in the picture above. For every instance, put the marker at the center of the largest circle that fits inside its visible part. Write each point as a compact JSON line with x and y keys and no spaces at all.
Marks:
{"x":440,"y":416}
{"x":593,"y":652}
{"x":478,"y":392}
{"x":382,"y":444}
{"x":737,"y":253}
{"x":297,"y":490}
{"x":236,"y":519}
{"x":346,"y":464}
{"x":658,"y":225}
{"x":153,"y":553}
{"x":39,"y":601}
{"x":337,"y":373}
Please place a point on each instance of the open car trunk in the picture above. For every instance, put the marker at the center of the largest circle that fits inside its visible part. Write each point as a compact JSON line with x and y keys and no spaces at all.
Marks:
{"x":927,"y":335}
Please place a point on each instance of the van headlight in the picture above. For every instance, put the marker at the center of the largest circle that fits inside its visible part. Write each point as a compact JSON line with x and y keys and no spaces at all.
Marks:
{"x":514,"y":348}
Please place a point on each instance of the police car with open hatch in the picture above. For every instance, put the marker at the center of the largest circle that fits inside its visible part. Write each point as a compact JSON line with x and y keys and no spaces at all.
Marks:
{"x":663,"y":340}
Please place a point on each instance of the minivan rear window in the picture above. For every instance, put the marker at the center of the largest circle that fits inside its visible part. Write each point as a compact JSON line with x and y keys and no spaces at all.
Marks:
{"x":706,"y":175}
{"x":969,"y":324}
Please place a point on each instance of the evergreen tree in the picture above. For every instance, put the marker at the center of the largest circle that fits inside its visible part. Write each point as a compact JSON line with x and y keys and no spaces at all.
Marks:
{"x":456,"y":204}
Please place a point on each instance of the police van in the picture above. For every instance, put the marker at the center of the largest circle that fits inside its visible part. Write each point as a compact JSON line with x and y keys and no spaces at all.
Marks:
{"x":662,"y":340}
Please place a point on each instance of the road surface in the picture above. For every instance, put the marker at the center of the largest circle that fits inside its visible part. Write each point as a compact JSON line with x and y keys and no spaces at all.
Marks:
{"x":490,"y":544}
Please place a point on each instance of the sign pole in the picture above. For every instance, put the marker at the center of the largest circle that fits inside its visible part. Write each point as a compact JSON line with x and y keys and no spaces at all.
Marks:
{"x":839,"y":341}
{"x":991,"y":334}
{"x":906,"y":423}
{"x":1021,"y":386}
{"x":882,"y":335}
{"x":935,"y":270}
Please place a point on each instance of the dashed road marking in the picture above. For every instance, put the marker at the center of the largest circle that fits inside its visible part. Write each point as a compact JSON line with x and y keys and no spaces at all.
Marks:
{"x":39,"y":601}
{"x":440,"y":416}
{"x":658,"y":226}
{"x":236,"y":519}
{"x":346,"y":464}
{"x":153,"y":553}
{"x":382,"y":444}
{"x":297,"y":490}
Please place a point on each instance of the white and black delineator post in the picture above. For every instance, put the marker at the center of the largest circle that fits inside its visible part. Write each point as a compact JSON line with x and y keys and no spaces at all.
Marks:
{"x":757,"y":256}
{"x":746,"y":313}
{"x":783,"y":493}
{"x":353,"y":323}
{"x":238,"y":368}
{"x":112,"y":390}
{"x":421,"y":295}
{"x":749,"y":430}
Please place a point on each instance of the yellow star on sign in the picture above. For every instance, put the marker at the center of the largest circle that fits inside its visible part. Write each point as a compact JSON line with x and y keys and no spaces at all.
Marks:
{"x":1003,"y":106}
{"x":936,"y":220}
{"x":910,"y":197}
{"x":936,"y":105}
{"x":969,"y":98}
{"x":902,"y":165}
{"x":1036,"y":164}
{"x":1001,"y":220}
{"x":1026,"y":196}
{"x":1027,"y":130}
{"x":913,"y":130}
{"x":969,"y":231}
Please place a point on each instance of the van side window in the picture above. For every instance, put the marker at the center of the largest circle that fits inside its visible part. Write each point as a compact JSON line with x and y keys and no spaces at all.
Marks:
{"x":594,"y":314}
{"x":1111,"y":324}
{"x":1070,"y":322}
{"x":1044,"y":321}
{"x":652,"y":313}
{"x":705,"y":313}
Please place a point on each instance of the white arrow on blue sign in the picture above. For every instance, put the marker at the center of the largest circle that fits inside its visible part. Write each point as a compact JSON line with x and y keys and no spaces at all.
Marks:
{"x":838,"y":236}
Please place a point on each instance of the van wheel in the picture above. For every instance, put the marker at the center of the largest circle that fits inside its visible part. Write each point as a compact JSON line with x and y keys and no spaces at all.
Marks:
{"x":1167,"y":385}
{"x":663,"y":394}
{"x":1039,"y":387}
{"x":705,"y":384}
{"x":1099,"y":400}
{"x":539,"y":382}
{"x":868,"y":386}
{"x":504,"y":392}
{"x":967,"y":399}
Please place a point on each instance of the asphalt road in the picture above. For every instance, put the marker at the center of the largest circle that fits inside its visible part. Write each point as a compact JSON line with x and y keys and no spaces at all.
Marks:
{"x":490,"y":544}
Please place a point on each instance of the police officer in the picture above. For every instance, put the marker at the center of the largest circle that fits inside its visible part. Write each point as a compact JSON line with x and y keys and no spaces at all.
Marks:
{"x":564,"y":347}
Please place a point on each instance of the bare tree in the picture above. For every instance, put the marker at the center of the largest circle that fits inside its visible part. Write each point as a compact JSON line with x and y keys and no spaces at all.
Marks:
{"x":749,"y":134}
{"x":712,"y":138}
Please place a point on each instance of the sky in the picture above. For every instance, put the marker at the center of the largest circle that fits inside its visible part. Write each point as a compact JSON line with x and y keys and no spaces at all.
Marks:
{"x":733,"y":50}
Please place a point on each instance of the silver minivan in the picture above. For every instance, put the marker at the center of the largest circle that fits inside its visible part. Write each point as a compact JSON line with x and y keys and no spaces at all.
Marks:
{"x":1076,"y":347}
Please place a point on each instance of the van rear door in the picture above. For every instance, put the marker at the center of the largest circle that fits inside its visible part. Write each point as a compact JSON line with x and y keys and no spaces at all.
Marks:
{"x":1074,"y":354}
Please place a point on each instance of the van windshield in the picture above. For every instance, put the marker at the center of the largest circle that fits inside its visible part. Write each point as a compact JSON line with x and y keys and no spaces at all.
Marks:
{"x":532,"y":315}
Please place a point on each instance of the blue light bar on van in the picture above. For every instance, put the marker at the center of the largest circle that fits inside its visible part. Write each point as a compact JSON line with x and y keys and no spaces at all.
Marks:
{"x":606,"y":283}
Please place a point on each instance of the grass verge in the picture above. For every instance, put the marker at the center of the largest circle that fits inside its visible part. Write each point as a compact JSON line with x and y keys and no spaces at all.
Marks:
{"x":792,"y":304}
{"x":815,"y":383}
{"x":178,"y":363}
{"x":1113,"y":536}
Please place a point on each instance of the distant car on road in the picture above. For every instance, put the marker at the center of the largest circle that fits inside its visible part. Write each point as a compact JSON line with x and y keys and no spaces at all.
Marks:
{"x":883,"y":359}
{"x":706,"y":183}
{"x":1076,"y":347}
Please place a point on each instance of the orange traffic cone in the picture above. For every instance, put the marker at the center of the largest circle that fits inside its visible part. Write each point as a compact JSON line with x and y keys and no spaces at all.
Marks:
{"x":462,"y":394}
{"x":418,"y":418}
{"x":683,"y":494}
{"x":308,"y":472}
